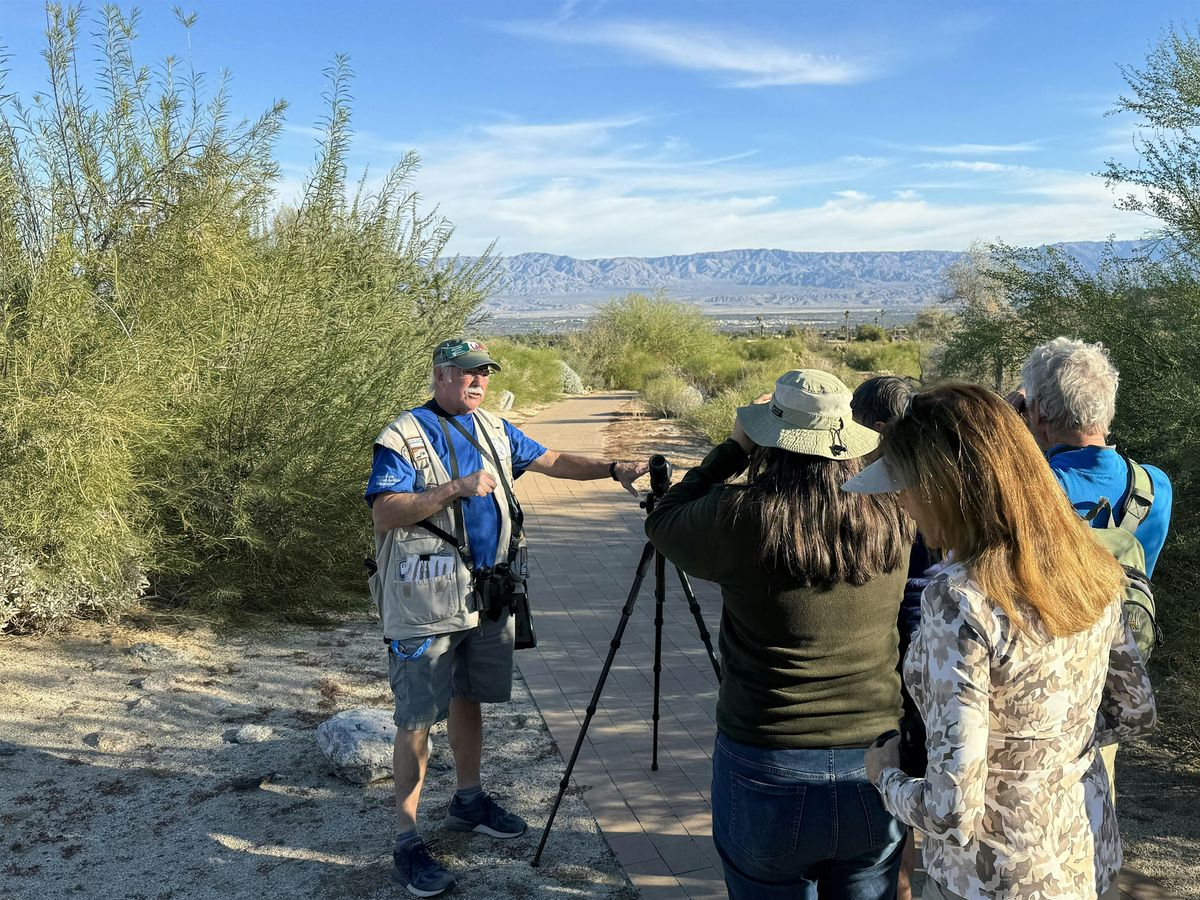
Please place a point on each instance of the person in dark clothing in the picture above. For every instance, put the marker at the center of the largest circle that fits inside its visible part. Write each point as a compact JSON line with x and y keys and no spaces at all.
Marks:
{"x":811,"y":587}
{"x":877,"y":402}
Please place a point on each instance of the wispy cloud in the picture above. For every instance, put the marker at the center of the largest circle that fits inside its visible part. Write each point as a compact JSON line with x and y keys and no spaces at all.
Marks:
{"x":751,"y":61}
{"x":972,"y":165}
{"x":980,"y":149}
{"x":612,"y":186}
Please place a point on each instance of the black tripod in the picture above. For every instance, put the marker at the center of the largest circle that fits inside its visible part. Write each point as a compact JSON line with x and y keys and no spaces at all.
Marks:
{"x":660,"y":480}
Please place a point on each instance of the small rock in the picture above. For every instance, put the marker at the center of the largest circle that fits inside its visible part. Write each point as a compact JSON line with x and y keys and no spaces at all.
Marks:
{"x":250,"y":782}
{"x":153,"y":654}
{"x":507,"y":399}
{"x":7,"y":748}
{"x":249,"y":734}
{"x":359,"y":744}
{"x":109,"y":742}
{"x":156,"y":681}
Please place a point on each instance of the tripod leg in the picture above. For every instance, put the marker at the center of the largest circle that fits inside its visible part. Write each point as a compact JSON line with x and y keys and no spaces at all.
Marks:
{"x":660,"y":595}
{"x":613,"y":646}
{"x":694,"y":606}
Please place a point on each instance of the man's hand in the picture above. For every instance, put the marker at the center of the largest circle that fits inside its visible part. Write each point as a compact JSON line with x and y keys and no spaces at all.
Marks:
{"x":477,"y":484}
{"x":628,"y":473}
{"x":878,"y":758}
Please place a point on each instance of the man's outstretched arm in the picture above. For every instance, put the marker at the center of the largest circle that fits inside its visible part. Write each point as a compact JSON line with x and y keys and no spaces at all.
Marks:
{"x":577,"y":467}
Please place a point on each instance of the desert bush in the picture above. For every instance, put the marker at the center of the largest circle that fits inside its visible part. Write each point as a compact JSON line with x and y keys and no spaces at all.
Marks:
{"x":869,"y":332}
{"x":189,"y":387}
{"x":533,"y":374}
{"x":897,"y":358}
{"x":631,"y":340}
{"x":714,"y":419}
{"x":570,"y":382}
{"x":671,"y":396}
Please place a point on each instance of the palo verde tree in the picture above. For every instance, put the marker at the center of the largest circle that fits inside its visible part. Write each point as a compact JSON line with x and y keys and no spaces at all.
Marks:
{"x":191,"y":372}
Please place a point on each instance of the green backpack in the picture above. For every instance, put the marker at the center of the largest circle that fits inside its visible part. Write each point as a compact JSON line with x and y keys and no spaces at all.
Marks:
{"x":1119,"y":539}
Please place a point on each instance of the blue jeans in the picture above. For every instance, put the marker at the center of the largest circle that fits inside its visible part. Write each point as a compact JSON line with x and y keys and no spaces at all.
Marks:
{"x":801,"y":824}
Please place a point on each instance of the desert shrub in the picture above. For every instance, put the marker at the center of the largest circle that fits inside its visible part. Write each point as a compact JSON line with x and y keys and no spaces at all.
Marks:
{"x":897,"y":358}
{"x":189,"y":386}
{"x":714,"y":419}
{"x":570,"y":382}
{"x":531,"y":373}
{"x":870,"y":332}
{"x":634,"y":369}
{"x":671,"y":396}
{"x":636,"y":338}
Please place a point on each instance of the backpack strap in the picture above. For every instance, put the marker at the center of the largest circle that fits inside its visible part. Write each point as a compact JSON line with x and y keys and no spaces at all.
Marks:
{"x":1139,"y":497}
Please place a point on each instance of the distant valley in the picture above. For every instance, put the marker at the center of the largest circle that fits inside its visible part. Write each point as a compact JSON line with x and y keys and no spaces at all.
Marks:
{"x":738,"y":280}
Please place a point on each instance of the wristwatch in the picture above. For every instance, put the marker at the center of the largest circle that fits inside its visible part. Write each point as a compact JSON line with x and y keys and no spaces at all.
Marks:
{"x":612,"y":470}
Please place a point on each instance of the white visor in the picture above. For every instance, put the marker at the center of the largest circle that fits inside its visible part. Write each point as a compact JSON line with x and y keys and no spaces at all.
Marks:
{"x":877,"y":478}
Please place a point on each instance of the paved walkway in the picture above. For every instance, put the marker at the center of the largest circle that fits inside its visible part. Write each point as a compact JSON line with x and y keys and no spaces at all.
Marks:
{"x":585,"y":539}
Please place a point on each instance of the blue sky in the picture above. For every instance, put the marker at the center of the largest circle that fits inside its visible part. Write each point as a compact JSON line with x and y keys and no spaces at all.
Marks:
{"x":648,"y":128}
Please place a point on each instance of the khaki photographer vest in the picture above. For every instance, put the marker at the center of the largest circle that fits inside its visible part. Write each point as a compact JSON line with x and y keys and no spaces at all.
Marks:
{"x":441,"y":603}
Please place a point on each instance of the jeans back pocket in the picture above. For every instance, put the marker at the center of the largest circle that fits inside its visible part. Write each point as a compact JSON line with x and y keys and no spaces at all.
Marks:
{"x":882,"y":827}
{"x":764,"y":818}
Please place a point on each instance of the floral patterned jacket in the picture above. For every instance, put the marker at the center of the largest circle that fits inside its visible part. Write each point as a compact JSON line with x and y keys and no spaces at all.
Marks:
{"x":1016,"y":802}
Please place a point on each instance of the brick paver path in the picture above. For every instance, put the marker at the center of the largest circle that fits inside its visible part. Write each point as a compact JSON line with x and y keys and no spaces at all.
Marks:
{"x":585,"y":538}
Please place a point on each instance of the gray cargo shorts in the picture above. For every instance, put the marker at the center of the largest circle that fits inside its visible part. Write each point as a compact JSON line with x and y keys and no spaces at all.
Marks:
{"x":475,"y":664}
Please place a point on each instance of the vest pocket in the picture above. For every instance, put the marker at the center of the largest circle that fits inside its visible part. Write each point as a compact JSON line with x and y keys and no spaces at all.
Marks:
{"x":426,"y":582}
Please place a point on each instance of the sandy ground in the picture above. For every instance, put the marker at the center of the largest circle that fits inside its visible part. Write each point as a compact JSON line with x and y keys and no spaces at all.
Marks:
{"x":116,"y":778}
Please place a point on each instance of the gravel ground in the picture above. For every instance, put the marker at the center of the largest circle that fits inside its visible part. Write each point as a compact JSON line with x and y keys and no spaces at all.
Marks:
{"x":117,"y":778}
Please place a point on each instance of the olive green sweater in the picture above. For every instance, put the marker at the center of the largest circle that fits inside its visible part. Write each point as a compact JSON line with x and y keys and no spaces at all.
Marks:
{"x":802,"y":667}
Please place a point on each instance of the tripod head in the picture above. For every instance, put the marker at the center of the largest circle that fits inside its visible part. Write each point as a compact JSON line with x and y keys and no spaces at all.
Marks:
{"x":660,"y":475}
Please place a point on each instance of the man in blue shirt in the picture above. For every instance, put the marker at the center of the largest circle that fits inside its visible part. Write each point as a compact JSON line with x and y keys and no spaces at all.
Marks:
{"x":1070,"y":400}
{"x":441,"y":501}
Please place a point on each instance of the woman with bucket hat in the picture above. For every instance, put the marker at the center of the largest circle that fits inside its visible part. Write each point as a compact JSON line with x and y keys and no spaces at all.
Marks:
{"x":811,"y":579}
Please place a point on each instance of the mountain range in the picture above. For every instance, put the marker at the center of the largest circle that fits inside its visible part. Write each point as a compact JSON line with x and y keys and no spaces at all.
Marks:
{"x":740,"y":279}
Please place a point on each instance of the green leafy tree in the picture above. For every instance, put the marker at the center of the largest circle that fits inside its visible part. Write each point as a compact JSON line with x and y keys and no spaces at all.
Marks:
{"x":987,"y":343}
{"x":189,"y":383}
{"x":931,"y":331}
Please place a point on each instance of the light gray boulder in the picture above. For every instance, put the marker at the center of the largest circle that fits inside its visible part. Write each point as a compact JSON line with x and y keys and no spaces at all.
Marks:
{"x":359,"y":744}
{"x":250,"y":734}
{"x":507,"y":399}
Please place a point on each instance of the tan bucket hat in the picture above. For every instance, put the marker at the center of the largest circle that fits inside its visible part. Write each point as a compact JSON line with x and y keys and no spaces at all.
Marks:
{"x":808,"y":413}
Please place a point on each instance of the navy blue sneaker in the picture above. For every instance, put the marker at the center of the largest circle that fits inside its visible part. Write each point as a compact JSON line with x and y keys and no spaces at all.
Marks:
{"x":420,"y":873}
{"x":485,"y":815}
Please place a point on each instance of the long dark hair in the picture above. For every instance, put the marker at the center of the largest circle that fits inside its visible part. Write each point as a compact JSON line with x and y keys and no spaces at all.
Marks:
{"x":814,"y":530}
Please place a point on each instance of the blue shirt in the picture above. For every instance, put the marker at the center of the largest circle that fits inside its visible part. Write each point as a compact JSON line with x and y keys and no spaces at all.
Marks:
{"x":391,"y":472}
{"x":1089,"y":473}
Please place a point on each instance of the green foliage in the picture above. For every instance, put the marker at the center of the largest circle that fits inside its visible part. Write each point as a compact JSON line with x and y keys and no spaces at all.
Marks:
{"x":637,"y":338}
{"x":1165,"y":98}
{"x":987,"y":343}
{"x":671,"y":396}
{"x":896,"y":358}
{"x":533,"y":374}
{"x":869,"y":332}
{"x":931,"y":331}
{"x":189,"y":389}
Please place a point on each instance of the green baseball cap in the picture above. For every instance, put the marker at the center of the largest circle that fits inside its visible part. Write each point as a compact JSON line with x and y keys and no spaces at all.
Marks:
{"x":463,"y":353}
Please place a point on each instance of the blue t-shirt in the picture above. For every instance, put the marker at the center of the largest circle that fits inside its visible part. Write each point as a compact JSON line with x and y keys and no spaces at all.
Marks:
{"x":391,"y":472}
{"x":1089,"y":473}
